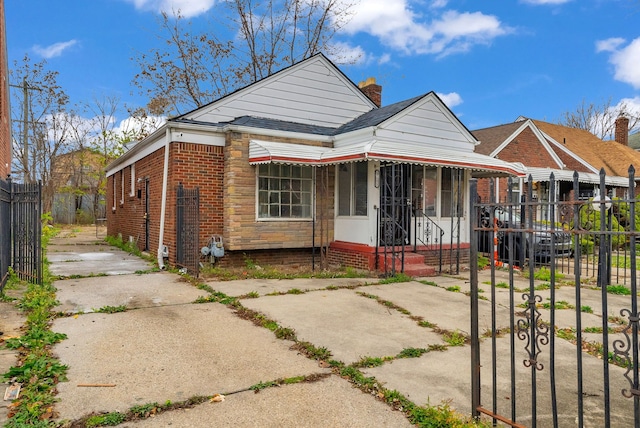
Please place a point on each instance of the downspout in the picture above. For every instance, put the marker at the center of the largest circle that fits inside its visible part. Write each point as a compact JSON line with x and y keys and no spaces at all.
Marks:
{"x":163,"y":208}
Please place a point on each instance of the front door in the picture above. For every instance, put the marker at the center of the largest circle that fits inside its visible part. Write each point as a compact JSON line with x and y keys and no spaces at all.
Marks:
{"x":395,"y":208}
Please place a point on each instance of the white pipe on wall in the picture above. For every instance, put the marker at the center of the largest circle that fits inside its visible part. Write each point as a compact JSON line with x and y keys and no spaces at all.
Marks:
{"x":163,"y":208}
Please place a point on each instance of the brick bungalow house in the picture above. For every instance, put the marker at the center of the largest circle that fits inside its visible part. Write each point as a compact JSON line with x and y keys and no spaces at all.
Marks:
{"x":304,"y":162}
{"x":545,"y":148}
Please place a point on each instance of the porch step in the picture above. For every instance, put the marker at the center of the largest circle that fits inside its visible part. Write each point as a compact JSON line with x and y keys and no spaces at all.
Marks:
{"x":413,"y":264}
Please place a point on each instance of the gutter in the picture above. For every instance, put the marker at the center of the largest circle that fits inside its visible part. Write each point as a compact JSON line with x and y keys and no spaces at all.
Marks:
{"x":163,"y":209}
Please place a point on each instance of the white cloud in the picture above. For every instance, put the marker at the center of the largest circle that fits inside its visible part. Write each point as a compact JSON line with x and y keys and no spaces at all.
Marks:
{"x":345,"y":53}
{"x":188,"y":8}
{"x":625,"y":59}
{"x":398,"y":26}
{"x":545,"y":2}
{"x":451,"y":99}
{"x":53,"y":50}
{"x":632,"y":107}
{"x":609,"y":45}
{"x":436,"y":4}
{"x":139,"y":125}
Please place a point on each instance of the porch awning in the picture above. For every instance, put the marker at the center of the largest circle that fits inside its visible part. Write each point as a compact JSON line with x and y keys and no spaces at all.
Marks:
{"x":273,"y":152}
{"x":543,"y":174}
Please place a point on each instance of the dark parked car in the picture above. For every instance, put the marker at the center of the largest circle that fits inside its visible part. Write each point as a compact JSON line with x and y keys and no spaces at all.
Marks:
{"x":539,"y":235}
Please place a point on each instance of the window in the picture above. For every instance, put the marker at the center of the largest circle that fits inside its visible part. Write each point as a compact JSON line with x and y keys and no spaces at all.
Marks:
{"x":451,"y":192}
{"x":122,"y":187}
{"x":515,"y":191}
{"x":284,"y":191}
{"x":113,"y":207}
{"x":431,"y":190}
{"x":132,"y":170}
{"x":352,"y":189}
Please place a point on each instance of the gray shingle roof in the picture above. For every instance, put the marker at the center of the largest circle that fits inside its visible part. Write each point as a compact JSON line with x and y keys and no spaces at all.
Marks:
{"x":376,"y":116}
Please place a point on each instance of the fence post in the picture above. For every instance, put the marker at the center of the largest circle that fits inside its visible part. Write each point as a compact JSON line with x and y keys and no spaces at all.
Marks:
{"x":473,"y":278}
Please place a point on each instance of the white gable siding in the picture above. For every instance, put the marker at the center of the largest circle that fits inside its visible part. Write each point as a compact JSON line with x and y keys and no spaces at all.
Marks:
{"x":427,"y":124}
{"x":312,"y":92}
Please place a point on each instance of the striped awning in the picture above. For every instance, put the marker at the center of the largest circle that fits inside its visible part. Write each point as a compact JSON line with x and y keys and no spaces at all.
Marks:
{"x":288,"y":153}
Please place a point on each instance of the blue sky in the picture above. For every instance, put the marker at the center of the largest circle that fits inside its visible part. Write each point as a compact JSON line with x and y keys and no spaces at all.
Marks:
{"x":491,"y":61}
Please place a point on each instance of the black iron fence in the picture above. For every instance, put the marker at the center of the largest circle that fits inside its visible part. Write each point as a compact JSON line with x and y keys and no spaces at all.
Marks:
{"x":556,"y":341}
{"x":20,"y":231}
{"x":188,"y":229}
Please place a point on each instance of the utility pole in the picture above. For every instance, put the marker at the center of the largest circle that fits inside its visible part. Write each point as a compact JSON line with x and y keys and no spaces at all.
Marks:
{"x":25,"y":127}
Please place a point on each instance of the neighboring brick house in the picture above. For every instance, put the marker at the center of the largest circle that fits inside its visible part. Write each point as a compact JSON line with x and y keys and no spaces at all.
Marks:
{"x":77,"y":187}
{"x":5,"y":111}
{"x":303,"y":159}
{"x":546,"y":148}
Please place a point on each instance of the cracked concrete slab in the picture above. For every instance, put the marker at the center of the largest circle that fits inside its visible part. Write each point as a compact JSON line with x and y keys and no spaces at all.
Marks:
{"x":133,"y":291}
{"x":166,"y":353}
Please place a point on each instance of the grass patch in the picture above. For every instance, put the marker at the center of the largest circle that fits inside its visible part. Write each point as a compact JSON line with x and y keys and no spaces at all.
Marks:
{"x":312,"y":351}
{"x":543,"y":274}
{"x":502,"y":285}
{"x":250,"y":295}
{"x":398,"y":277}
{"x":108,"y":419}
{"x":454,"y":288}
{"x":427,"y":324}
{"x":38,"y":371}
{"x":111,"y":309}
{"x":566,"y":334}
{"x":369,"y":362}
{"x":455,"y":338}
{"x":618,"y":289}
{"x":412,"y":352}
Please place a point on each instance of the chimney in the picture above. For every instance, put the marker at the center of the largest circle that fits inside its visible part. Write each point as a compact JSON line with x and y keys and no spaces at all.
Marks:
{"x":372,"y":90}
{"x":622,"y":130}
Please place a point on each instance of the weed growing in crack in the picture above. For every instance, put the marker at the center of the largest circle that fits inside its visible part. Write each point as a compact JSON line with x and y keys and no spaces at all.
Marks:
{"x":250,"y":295}
{"x":285,"y":333}
{"x":38,"y":371}
{"x":111,"y":309}
{"x":412,"y":352}
{"x":108,"y":419}
{"x":311,"y":351}
{"x":427,"y":324}
{"x":455,"y":338}
{"x":398,"y":277}
{"x":371,"y":362}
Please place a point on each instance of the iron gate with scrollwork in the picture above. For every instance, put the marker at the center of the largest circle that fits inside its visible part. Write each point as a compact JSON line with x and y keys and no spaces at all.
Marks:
{"x":188,"y":229}
{"x":555,"y":339}
{"x":20,"y":231}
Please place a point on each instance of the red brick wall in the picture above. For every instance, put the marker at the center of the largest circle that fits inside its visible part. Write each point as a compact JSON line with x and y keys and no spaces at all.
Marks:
{"x":5,"y":114}
{"x":194,"y":165}
{"x":526,"y":148}
{"x":128,"y":217}
{"x":197,"y":165}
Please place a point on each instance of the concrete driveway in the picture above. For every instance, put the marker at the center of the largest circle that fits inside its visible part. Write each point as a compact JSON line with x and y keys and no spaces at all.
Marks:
{"x":158,"y":346}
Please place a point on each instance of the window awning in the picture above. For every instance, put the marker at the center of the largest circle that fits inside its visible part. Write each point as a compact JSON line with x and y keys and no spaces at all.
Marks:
{"x":543,"y":174}
{"x":287,"y":153}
